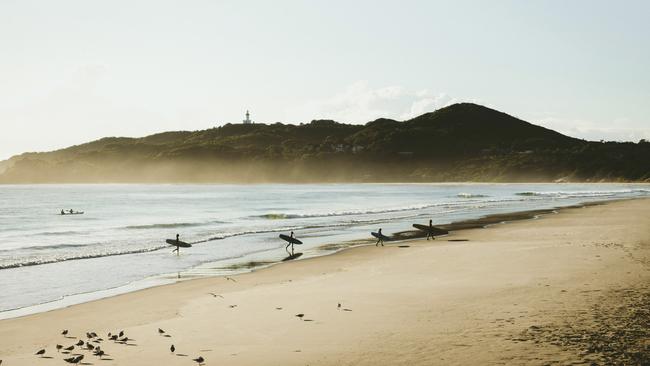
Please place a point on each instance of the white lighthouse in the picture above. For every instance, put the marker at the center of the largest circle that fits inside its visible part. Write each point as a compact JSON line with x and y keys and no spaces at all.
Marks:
{"x":247,"y":121}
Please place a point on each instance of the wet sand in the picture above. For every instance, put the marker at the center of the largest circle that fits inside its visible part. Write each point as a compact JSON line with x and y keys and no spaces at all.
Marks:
{"x":567,"y":288}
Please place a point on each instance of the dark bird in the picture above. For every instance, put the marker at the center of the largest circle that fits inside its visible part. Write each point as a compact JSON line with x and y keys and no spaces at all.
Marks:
{"x":80,"y":343}
{"x":160,"y":331}
{"x":124,"y":340}
{"x":99,"y":353}
{"x":231,"y":279}
{"x":65,"y":332}
{"x":40,"y":352}
{"x":93,"y":334}
{"x":109,"y":335}
{"x":278,"y":308}
{"x":69,"y":348}
{"x":199,"y":360}
{"x":75,"y":359}
{"x":232,"y":306}
{"x":113,"y":337}
{"x":88,"y":335}
{"x":215,"y":295}
{"x":300,"y":315}
{"x":58,"y":347}
{"x":339,"y":307}
{"x":121,"y":333}
{"x":172,"y":348}
{"x":90,"y":346}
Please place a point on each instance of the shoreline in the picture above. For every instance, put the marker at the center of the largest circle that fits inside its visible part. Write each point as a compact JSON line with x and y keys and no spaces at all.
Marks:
{"x":239,"y":268}
{"x":568,"y":288}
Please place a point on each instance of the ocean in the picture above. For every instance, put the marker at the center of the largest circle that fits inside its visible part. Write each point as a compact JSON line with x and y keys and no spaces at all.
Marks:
{"x":48,"y":260}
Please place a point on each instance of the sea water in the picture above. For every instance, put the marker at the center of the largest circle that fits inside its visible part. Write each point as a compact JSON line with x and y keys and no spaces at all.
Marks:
{"x":118,"y":244}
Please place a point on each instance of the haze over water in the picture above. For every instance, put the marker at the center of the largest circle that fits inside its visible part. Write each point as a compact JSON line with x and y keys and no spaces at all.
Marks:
{"x":119,"y":243}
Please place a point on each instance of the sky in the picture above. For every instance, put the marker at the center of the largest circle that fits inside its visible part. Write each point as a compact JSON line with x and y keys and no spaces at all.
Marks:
{"x":76,"y":71}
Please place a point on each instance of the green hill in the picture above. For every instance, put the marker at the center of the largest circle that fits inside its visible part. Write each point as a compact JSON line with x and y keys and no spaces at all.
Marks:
{"x":462,"y":142}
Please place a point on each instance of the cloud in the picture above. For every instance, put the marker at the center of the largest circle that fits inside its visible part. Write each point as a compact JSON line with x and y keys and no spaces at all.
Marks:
{"x":360,"y":103}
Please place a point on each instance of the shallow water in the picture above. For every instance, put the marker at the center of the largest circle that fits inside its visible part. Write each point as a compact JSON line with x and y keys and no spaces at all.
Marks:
{"x":120,"y":240}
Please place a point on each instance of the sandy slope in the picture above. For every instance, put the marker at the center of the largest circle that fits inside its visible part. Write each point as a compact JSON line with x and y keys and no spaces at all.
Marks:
{"x":571,"y":287}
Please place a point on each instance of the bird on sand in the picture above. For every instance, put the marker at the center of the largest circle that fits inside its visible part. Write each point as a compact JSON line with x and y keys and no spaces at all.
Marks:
{"x":199,"y":360}
{"x":90,"y":346}
{"x":215,"y":295}
{"x":230,"y":279}
{"x":69,"y":348}
{"x":113,"y":337}
{"x":64,"y":332}
{"x":80,"y":343}
{"x":74,"y":359}
{"x":172,"y":348}
{"x":300,"y":315}
{"x":58,"y":347}
{"x":40,"y":352}
{"x":99,"y":353}
{"x":121,"y":333}
{"x":160,"y":331}
{"x":339,"y":307}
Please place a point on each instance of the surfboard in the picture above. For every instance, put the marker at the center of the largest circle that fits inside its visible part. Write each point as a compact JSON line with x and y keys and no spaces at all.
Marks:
{"x":380,"y":236}
{"x":290,"y":239}
{"x":431,"y":229}
{"x":293,"y":256}
{"x":179,"y":243}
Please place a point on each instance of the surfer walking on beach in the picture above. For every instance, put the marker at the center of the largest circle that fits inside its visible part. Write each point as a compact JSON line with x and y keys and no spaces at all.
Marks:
{"x":380,"y":238}
{"x":430,"y":231}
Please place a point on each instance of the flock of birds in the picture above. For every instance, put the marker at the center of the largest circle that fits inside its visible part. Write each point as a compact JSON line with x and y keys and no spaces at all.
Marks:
{"x":93,"y":345}
{"x":93,"y":342}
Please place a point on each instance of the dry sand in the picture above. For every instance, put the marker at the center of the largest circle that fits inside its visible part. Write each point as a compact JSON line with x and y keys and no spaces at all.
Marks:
{"x":568,"y":288}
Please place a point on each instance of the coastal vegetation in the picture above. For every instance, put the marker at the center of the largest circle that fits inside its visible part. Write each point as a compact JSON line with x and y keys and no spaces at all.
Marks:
{"x":462,"y":142}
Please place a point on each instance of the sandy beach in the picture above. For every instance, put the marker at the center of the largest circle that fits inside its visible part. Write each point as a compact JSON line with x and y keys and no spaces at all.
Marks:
{"x":567,"y":288}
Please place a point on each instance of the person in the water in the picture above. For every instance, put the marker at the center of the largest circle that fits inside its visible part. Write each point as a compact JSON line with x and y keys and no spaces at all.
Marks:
{"x":177,"y":246}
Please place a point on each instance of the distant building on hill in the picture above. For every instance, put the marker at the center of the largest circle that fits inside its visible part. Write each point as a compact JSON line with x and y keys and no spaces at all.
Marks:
{"x":247,"y":121}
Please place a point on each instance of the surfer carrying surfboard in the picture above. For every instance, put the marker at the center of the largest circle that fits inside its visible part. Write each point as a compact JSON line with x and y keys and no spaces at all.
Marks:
{"x":291,"y":240}
{"x":290,"y":243}
{"x":380,"y":238}
{"x":177,"y":246}
{"x":430,"y":231}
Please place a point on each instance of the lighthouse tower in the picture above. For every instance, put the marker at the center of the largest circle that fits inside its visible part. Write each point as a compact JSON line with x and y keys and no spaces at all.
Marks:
{"x":247,"y":121}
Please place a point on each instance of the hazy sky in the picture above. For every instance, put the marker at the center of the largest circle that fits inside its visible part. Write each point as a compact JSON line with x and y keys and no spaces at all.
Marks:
{"x":74,"y":71}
